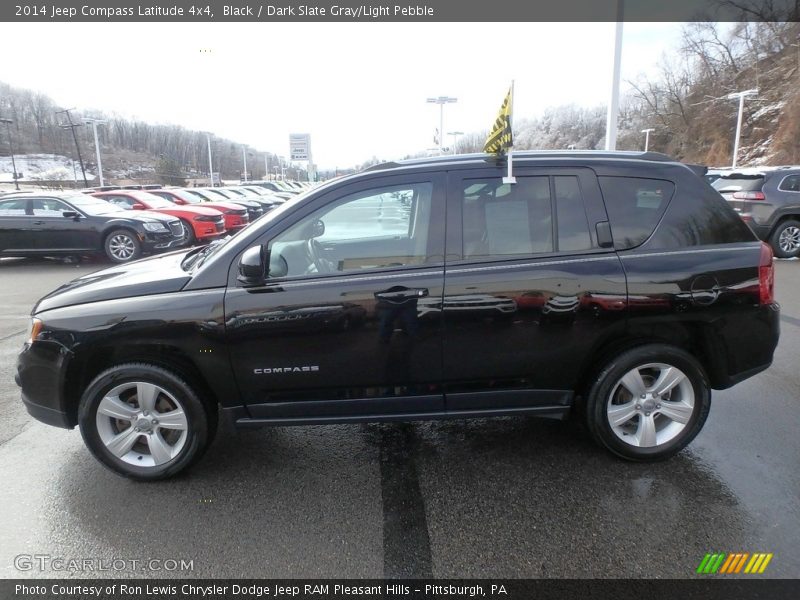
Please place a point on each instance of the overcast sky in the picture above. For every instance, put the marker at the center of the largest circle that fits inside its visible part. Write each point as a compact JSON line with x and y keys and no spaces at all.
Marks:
{"x":359,"y":89}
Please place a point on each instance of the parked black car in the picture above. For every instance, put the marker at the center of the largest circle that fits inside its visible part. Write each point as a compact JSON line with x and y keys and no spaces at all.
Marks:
{"x":618,"y":287}
{"x":768,"y":200}
{"x":58,"y":224}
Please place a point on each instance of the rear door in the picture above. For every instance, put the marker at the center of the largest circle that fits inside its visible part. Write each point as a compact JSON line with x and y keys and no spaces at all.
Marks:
{"x":529,"y":292}
{"x":337,"y":330}
{"x":15,"y":225}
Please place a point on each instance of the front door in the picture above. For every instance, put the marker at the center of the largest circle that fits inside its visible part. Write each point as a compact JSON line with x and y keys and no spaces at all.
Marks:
{"x":339,"y":328}
{"x":54,"y":231}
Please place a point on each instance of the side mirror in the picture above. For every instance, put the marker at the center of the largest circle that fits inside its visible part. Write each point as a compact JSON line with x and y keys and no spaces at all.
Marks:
{"x":138,"y":206}
{"x":318,"y":228}
{"x":71,"y":214}
{"x":252,"y":267}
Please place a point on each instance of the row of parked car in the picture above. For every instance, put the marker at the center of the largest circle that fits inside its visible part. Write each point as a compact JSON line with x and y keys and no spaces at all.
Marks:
{"x":126,"y":222}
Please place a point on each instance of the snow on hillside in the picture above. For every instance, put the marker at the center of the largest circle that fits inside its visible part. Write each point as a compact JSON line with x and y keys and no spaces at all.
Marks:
{"x":42,"y":167}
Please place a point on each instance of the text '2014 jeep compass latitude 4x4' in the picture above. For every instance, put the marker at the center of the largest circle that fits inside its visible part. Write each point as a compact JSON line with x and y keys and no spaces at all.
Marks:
{"x":619,"y":286}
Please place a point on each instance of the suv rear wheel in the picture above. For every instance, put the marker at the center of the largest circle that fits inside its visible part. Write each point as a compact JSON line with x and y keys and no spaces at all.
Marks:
{"x":144,"y":422}
{"x":785,"y":240}
{"x":648,"y":403}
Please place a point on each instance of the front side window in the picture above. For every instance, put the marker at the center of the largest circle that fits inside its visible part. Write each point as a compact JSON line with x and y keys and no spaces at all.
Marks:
{"x":48,"y":207}
{"x":376,"y":229}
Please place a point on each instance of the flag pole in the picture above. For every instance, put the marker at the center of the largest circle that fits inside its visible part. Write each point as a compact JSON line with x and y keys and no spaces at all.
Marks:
{"x":510,"y":177}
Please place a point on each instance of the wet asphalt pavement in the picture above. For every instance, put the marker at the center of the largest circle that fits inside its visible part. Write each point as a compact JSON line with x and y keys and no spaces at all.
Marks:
{"x":510,"y":497}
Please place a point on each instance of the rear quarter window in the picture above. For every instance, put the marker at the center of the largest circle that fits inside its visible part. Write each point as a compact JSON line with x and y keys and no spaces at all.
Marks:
{"x":634,"y":207}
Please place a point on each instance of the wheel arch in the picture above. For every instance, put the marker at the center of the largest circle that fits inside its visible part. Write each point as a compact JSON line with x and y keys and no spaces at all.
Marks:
{"x":85,"y":366}
{"x":697,"y":339}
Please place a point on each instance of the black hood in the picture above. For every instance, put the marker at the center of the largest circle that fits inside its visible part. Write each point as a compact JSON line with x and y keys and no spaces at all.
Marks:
{"x":155,"y":275}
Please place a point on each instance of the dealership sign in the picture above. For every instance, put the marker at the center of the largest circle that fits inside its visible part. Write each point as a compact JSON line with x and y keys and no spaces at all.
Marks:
{"x":299,"y":146}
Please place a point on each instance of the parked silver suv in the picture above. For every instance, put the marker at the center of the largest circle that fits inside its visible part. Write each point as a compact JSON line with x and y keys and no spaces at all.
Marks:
{"x":768,"y":200}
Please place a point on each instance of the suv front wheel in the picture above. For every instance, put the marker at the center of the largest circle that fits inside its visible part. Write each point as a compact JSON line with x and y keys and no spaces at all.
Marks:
{"x":648,"y":403}
{"x":144,"y":422}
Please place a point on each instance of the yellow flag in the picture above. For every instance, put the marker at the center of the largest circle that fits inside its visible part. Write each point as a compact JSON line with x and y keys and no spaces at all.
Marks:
{"x":500,"y":137}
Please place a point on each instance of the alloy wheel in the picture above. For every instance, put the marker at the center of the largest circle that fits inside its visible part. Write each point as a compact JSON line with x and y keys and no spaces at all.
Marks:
{"x":142,"y":424}
{"x":789,"y":239}
{"x":121,"y":246}
{"x":650,"y":405}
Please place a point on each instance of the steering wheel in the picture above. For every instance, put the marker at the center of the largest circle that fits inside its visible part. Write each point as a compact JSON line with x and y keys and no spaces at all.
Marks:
{"x":315,"y":252}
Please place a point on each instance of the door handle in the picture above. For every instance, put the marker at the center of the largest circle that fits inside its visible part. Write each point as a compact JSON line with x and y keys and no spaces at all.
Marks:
{"x":397,"y":295}
{"x":38,"y":222}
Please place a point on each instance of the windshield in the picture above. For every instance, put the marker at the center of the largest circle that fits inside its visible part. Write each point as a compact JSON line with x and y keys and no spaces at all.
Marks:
{"x":740,"y":183}
{"x":153,"y":201}
{"x":92,"y":205}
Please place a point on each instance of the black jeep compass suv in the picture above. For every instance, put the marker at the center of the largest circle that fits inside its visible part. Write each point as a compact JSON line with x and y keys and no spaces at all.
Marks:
{"x":617,"y":286}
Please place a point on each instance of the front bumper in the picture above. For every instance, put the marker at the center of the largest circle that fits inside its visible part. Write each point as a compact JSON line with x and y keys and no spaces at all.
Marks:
{"x":40,"y":373}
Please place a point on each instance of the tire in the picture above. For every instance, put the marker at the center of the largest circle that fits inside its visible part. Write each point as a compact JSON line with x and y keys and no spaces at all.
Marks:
{"x":145,"y":440}
{"x":122,"y":246}
{"x":189,"y":238}
{"x":649,"y":426}
{"x":785,"y":240}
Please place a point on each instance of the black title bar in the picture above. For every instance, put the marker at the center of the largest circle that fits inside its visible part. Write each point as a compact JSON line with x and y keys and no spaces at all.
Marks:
{"x":411,"y":11}
{"x":709,"y":588}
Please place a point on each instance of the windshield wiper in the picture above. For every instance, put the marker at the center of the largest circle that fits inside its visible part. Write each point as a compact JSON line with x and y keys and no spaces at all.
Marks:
{"x":197,"y":259}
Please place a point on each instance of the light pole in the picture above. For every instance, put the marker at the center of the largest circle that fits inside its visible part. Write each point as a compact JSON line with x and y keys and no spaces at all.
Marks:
{"x":94,"y":123}
{"x":646,"y":133}
{"x":266,"y":166}
{"x":613,"y":106}
{"x":441,"y":101}
{"x":741,"y":97}
{"x":244,"y":162}
{"x":210,"y":167}
{"x":8,"y":123}
{"x":455,"y":135}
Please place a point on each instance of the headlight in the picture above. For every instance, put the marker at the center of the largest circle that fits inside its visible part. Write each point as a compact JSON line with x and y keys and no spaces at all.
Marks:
{"x":155,"y":227}
{"x":34,"y":328}
{"x":207,"y":218}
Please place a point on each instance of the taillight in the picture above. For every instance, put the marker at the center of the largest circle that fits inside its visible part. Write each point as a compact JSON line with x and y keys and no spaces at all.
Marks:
{"x":766,"y":276}
{"x":749,"y":195}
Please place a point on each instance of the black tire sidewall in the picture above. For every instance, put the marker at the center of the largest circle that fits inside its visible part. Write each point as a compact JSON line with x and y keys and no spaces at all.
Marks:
{"x":137,"y":246}
{"x":774,"y":239}
{"x":599,"y":397}
{"x":191,"y":238}
{"x":196,"y":414}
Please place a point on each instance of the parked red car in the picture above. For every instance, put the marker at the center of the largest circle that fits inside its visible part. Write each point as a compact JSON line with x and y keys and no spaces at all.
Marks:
{"x":200,"y":224}
{"x":235,"y":214}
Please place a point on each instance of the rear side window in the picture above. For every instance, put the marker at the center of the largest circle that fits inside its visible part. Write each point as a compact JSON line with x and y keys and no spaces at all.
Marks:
{"x":537,"y":215}
{"x":503,"y":220}
{"x":634,"y":207}
{"x":790,"y":184}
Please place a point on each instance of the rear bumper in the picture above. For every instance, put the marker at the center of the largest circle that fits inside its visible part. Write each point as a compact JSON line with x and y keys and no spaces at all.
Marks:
{"x":740,"y":350}
{"x":761,"y":231}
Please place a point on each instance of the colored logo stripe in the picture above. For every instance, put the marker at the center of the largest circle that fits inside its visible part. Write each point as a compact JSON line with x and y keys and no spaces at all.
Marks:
{"x":724,"y":563}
